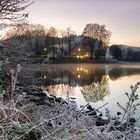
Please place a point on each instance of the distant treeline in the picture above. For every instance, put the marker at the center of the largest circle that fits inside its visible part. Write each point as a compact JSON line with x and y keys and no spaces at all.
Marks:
{"x":38,"y":41}
{"x":125,"y":53}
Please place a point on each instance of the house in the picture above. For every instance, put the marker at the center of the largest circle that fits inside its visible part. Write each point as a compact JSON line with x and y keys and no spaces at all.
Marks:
{"x":81,"y":48}
{"x":85,"y":47}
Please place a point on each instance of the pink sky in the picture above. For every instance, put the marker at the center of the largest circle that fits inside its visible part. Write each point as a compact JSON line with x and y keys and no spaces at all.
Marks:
{"x":121,"y":17}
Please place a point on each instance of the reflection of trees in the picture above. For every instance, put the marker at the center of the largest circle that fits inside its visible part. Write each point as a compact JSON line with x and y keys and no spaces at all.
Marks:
{"x":80,"y":76}
{"x":96,"y":91}
{"x":94,"y":81}
{"x":57,"y":83}
{"x":59,"y":90}
{"x":119,"y":72}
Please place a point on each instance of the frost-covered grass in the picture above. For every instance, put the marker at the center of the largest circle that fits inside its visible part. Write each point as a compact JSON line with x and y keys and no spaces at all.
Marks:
{"x":61,"y":120}
{"x":11,"y":113}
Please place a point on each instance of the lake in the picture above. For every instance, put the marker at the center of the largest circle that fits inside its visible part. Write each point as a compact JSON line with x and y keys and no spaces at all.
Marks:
{"x":93,"y":84}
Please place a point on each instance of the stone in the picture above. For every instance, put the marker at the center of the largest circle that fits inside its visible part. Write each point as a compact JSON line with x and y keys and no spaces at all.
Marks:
{"x":89,"y":107}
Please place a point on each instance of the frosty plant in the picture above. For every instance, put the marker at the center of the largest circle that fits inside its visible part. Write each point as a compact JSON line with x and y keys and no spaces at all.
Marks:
{"x":9,"y":113}
{"x":14,"y":78}
{"x":131,"y":106}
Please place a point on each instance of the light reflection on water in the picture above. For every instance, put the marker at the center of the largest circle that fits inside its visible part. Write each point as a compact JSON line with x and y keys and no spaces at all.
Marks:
{"x":96,"y":85}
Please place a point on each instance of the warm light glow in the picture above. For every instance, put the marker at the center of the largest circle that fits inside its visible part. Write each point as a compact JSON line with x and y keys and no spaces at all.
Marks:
{"x":86,"y":55}
{"x":82,"y":70}
{"x":78,"y":76}
{"x":77,"y":69}
{"x":86,"y":71}
{"x":79,"y":49}
{"x":80,"y":56}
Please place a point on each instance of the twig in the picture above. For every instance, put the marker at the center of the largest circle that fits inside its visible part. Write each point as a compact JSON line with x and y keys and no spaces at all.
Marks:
{"x":97,"y":108}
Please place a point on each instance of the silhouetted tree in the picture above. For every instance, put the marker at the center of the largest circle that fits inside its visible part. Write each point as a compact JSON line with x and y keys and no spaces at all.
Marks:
{"x":69,"y":34}
{"x":11,"y":10}
{"x":62,"y":33}
{"x":130,"y":54}
{"x":25,"y":34}
{"x":116,"y":51}
{"x":99,"y":37}
{"x":25,"y":29}
{"x":133,"y":55}
{"x":53,"y":33}
{"x":37,"y":47}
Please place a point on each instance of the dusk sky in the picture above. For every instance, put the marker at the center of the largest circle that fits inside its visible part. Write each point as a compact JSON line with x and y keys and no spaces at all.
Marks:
{"x":121,"y":17}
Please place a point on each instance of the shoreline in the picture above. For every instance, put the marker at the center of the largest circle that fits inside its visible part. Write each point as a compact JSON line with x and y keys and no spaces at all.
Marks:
{"x":61,"y":65}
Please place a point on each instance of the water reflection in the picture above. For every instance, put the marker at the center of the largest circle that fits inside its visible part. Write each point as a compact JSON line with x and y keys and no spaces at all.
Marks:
{"x":96,"y":91}
{"x":92,"y":81}
{"x":119,"y":72}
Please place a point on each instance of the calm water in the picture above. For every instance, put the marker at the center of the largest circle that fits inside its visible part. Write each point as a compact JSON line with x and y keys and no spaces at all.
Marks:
{"x":94,"y":84}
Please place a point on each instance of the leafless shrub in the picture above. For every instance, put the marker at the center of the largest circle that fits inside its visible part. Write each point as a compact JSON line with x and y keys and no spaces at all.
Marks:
{"x":9,"y":112}
{"x":9,"y":9}
{"x":131,"y":106}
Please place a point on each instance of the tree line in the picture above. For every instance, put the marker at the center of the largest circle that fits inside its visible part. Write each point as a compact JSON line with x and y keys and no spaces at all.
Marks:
{"x":125,"y":53}
{"x":41,"y":41}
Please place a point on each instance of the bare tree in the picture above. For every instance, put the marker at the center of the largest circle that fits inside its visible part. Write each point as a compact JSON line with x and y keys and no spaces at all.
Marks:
{"x":11,"y":10}
{"x":97,"y":32}
{"x":25,"y":29}
{"x":69,"y":34}
{"x":99,"y":36}
{"x":62,"y":33}
{"x":18,"y":29}
{"x":96,"y":91}
{"x":53,"y":33}
{"x":26,"y":37}
{"x":36,"y":30}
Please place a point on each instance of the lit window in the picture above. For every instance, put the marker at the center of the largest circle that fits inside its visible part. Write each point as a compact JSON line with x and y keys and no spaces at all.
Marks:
{"x":79,"y":49}
{"x":77,"y":69}
{"x":78,"y":76}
